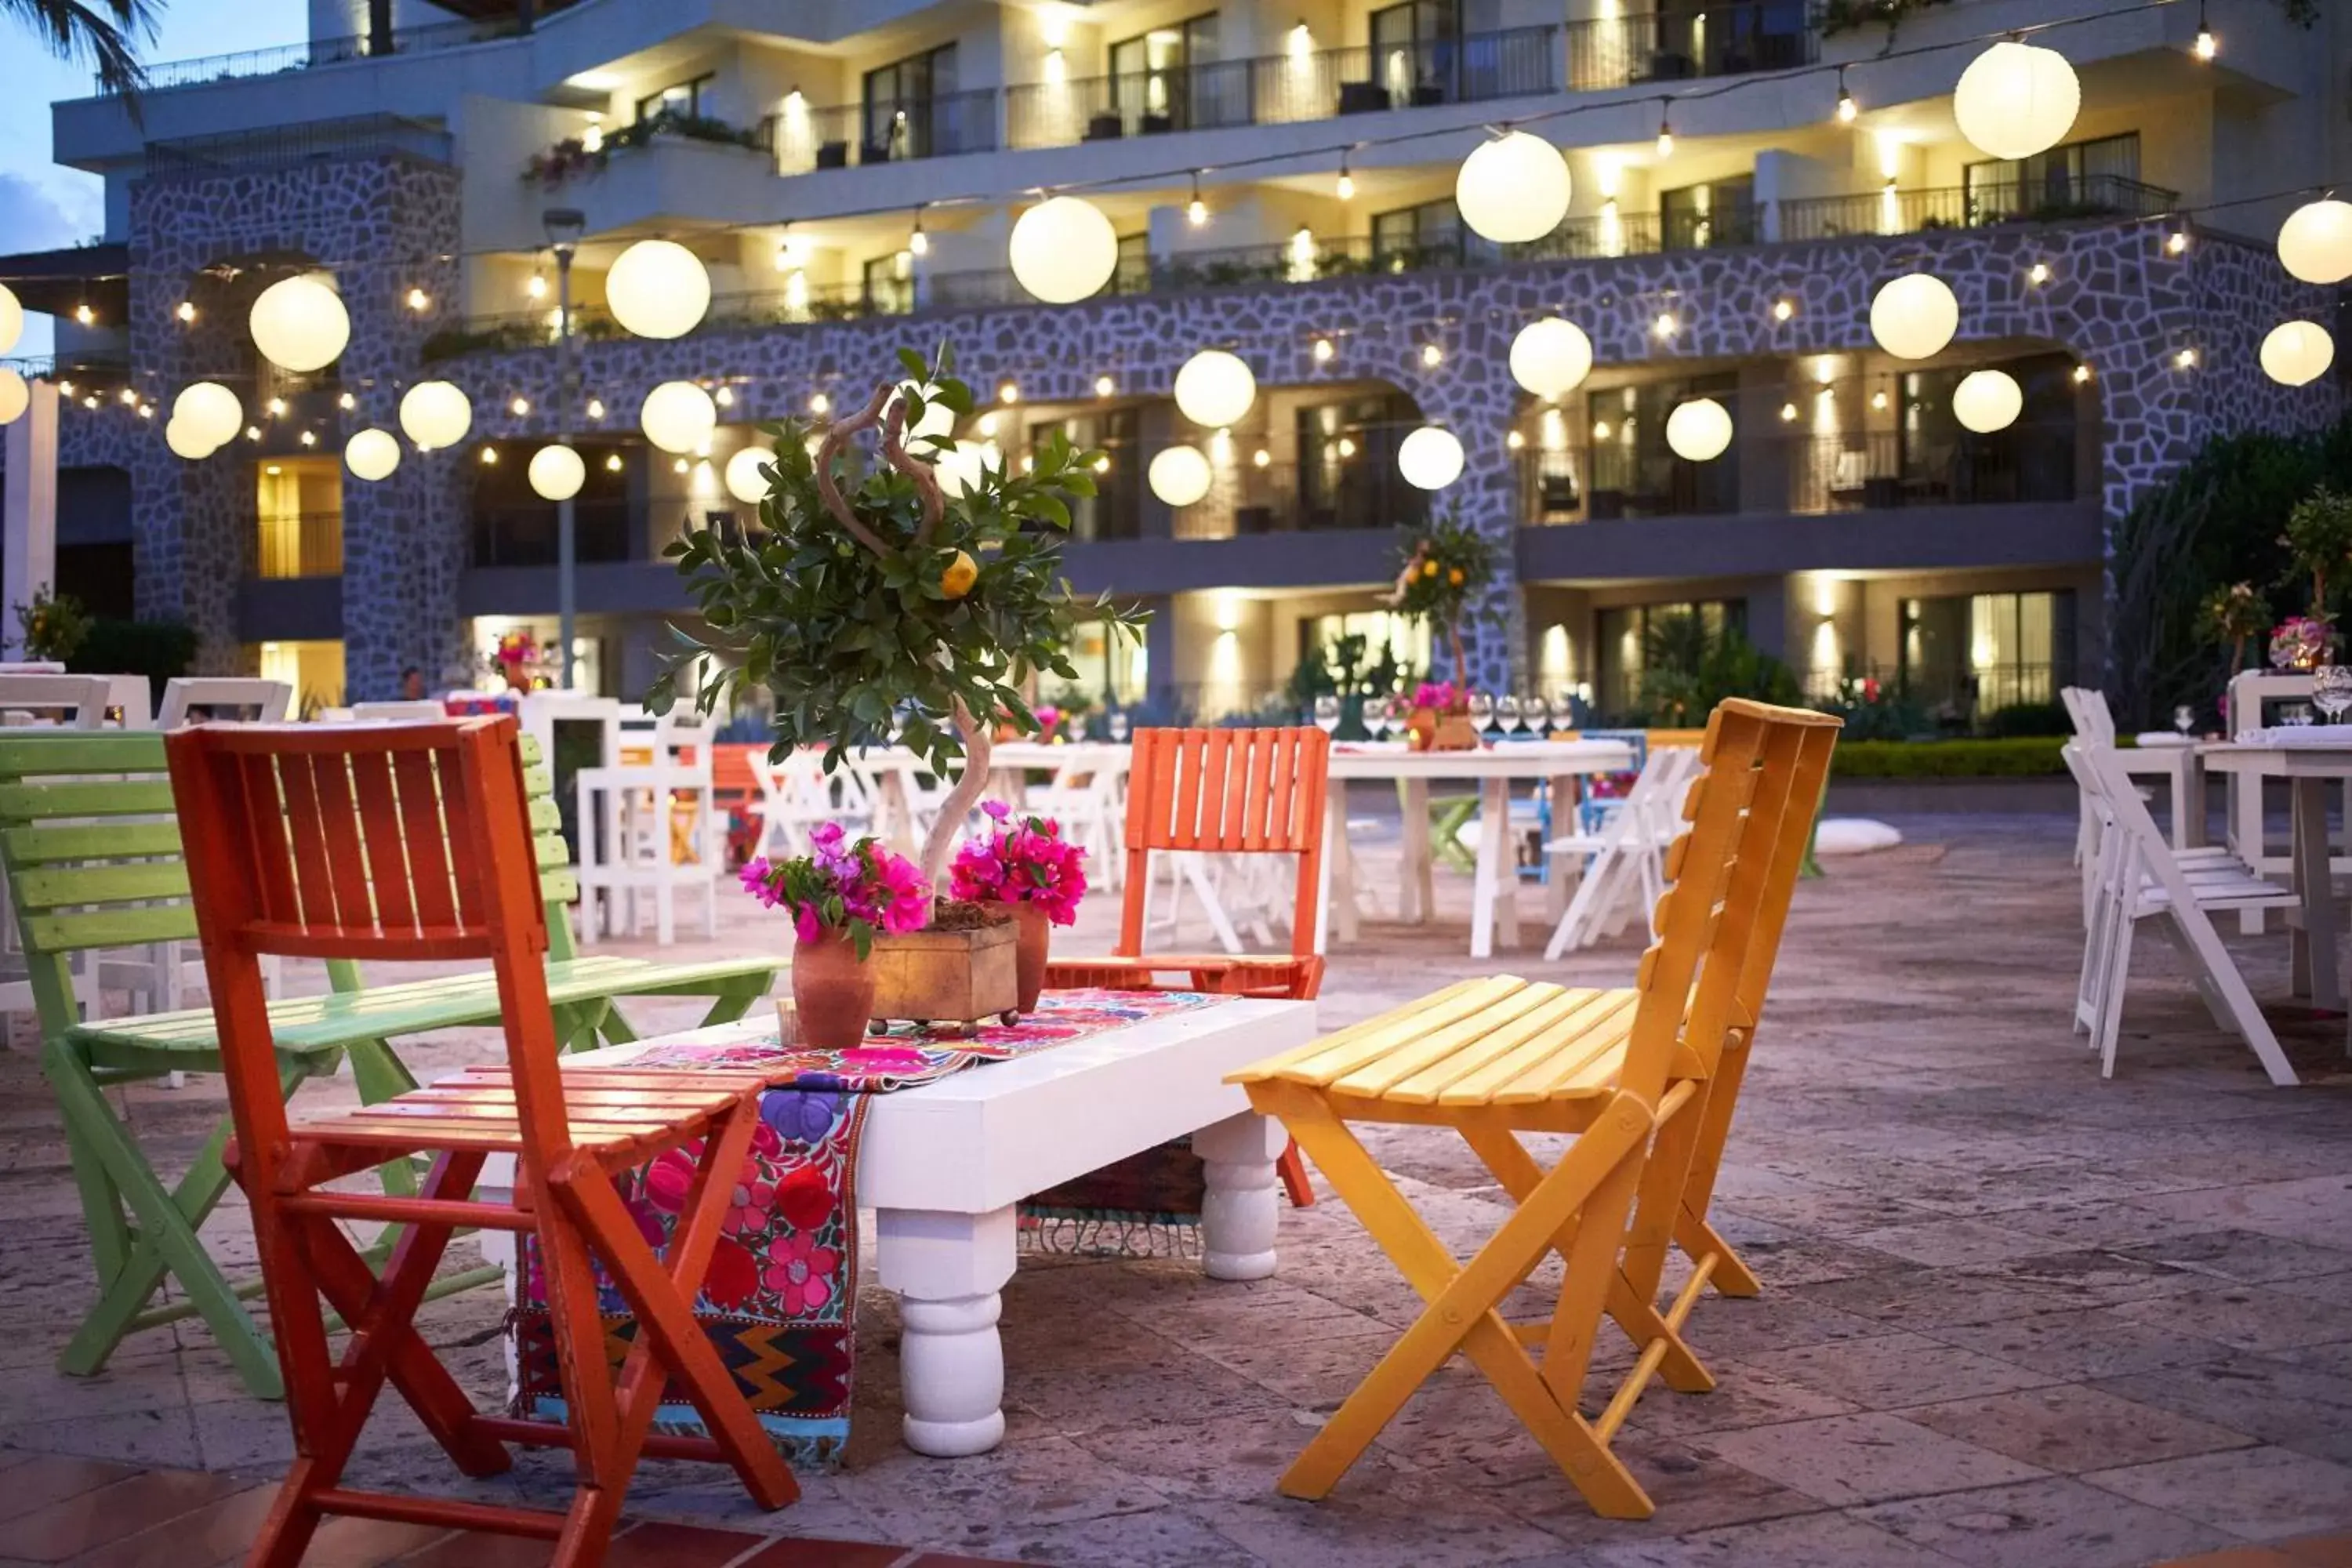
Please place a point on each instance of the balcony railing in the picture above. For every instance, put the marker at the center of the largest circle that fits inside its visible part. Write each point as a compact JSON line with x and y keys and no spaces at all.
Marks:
{"x":1247,"y":500}
{"x":293,"y":146}
{"x":1274,"y":90}
{"x":308,"y":544}
{"x":1881,"y":469}
{"x":321,"y":52}
{"x":885,"y":132}
{"x":1894,"y":211}
{"x":525,"y":535}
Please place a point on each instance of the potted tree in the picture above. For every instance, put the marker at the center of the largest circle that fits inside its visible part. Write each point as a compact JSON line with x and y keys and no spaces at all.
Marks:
{"x":2319,"y":537}
{"x":870,"y":599}
{"x":1447,"y":564}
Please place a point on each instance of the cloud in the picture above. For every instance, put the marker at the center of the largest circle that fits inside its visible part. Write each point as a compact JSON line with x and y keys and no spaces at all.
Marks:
{"x":35,"y":216}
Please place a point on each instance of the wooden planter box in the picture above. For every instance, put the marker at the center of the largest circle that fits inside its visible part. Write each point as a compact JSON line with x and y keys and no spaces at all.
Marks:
{"x":948,"y":976}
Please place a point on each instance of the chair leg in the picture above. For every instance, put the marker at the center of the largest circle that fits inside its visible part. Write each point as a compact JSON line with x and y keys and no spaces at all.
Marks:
{"x":167,"y":1243}
{"x":1291,"y":1166}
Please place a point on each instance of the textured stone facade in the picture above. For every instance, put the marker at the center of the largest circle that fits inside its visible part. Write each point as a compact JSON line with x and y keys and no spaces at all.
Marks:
{"x":2116,"y":297}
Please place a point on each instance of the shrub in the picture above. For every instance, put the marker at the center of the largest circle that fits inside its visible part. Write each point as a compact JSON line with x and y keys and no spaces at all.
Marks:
{"x":2034,"y":757}
{"x":156,"y":650}
{"x":2020,"y":719}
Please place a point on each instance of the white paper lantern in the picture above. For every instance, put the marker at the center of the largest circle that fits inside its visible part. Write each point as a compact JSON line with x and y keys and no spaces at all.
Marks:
{"x":1551,"y":357}
{"x":15,"y":396}
{"x":1180,"y":476}
{"x":2316,"y":241}
{"x":658,"y":289}
{"x":962,"y":465}
{"x":678,"y":416}
{"x":938,"y":422}
{"x":210,"y":411}
{"x":1513,"y":188}
{"x":372,"y":454}
{"x":745,"y":482}
{"x":12,"y":319}
{"x":1430,"y":459}
{"x":1987,"y":400}
{"x":2017,"y":99}
{"x":436,"y":414}
{"x":1913,"y":316}
{"x":2295,"y":352}
{"x":556,"y":473}
{"x":300,"y":324}
{"x":1064,"y":250}
{"x":1699,"y":430}
{"x":186,"y":441}
{"x":1214,"y":388}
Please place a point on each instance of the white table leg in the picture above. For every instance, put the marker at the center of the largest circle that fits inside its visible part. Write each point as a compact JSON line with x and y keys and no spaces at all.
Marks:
{"x":2313,"y":939}
{"x":1417,"y":887}
{"x":1486,"y":886}
{"x":2191,"y":784}
{"x":1506,"y":863}
{"x":946,"y":1269}
{"x":1341,"y":912}
{"x":1240,"y":1212}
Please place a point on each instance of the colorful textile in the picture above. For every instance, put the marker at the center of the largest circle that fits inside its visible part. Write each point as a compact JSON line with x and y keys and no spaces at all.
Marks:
{"x":780,"y":1303}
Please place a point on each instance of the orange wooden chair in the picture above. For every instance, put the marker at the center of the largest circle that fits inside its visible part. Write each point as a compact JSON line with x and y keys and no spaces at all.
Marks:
{"x":330,"y":842}
{"x":1221,"y":792}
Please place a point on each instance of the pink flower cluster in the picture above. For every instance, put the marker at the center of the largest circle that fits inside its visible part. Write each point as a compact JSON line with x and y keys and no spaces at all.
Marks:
{"x":1024,"y":863}
{"x":859,"y":888}
{"x":1439,"y":697}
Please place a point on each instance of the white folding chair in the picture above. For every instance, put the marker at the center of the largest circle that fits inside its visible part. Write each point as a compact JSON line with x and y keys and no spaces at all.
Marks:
{"x":1625,"y":862}
{"x":2141,"y":877}
{"x":262,"y":702}
{"x":649,"y":827}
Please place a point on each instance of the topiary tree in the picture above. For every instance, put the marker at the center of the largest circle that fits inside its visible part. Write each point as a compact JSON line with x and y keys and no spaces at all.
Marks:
{"x":2319,"y":536}
{"x":868,"y":594}
{"x":1447,"y":566}
{"x":2234,"y":616}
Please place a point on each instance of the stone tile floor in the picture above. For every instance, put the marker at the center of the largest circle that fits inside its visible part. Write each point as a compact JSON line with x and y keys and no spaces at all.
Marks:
{"x":2014,"y":1315}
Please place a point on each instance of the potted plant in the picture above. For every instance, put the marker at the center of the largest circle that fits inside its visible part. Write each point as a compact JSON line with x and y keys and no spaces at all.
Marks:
{"x":1439,"y":720}
{"x":868,"y":593}
{"x":841,"y":899}
{"x":2319,"y":538}
{"x":1447,"y":565}
{"x":2234,"y":616}
{"x":1029,"y":868}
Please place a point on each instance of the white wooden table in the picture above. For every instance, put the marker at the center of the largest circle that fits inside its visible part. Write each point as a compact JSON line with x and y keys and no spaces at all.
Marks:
{"x":2309,"y":768}
{"x":944,"y":1163}
{"x":1493,"y":901}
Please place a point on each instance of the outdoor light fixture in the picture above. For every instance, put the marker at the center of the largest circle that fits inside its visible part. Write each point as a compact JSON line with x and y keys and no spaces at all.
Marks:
{"x":209,"y":410}
{"x":1431,"y":355}
{"x":1783,"y":309}
{"x":1513,"y":440}
{"x":419,"y":299}
{"x":1699,"y":431}
{"x":1665,"y":325}
{"x":489,"y":456}
{"x":1513,"y":188}
{"x":436,"y":414}
{"x":2081,"y":374}
{"x":1063,"y":249}
{"x":1007,"y":392}
{"x":252,"y":432}
{"x":371,"y":454}
{"x":612,"y":464}
{"x":1430,"y":459}
{"x":1105,"y":386}
{"x":1665,"y":129}
{"x":1988,"y":400}
{"x":1196,"y":211}
{"x":521,"y":407}
{"x":1913,"y":316}
{"x":1550,"y":357}
{"x":309,"y":437}
{"x":556,"y":473}
{"x":2177,"y":242}
{"x":2038,"y":273}
{"x":1600,"y":429}
{"x":917,"y":242}
{"x":129,"y":398}
{"x":724,"y":396}
{"x":2185,"y":360}
{"x":12,"y":320}
{"x":537,"y":286}
{"x":347,"y":403}
{"x":1847,"y":110}
{"x":658,"y":289}
{"x":742,"y":476}
{"x":1345,"y":188}
{"x":2207,"y":45}
{"x":300,"y":324}
{"x":186,"y":312}
{"x":1214,"y":388}
{"x":819,"y":402}
{"x":1262,"y":458}
{"x":182,"y":441}
{"x":678,"y":415}
{"x":1324,"y":351}
{"x":277,"y":407}
{"x":1788,"y":413}
{"x":1179,"y":476}
{"x":85,"y":315}
{"x":2316,"y":241}
{"x":2016,"y":100}
{"x":2296,"y":353}
{"x":595,"y":408}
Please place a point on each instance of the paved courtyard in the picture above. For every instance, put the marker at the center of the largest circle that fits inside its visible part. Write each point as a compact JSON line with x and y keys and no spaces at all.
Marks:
{"x":2014,"y":1315}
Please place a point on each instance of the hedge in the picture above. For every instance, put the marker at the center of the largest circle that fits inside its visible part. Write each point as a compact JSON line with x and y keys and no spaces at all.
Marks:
{"x":2026,"y":757}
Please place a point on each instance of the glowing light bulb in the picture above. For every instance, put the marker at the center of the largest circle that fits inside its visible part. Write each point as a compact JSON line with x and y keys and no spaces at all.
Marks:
{"x":1600,"y":429}
{"x":419,"y":299}
{"x":186,"y":312}
{"x":491,"y":456}
{"x":1324,"y":351}
{"x":347,"y":403}
{"x":536,"y":288}
{"x":1197,"y":212}
{"x":1007,"y":392}
{"x":1788,"y":413}
{"x":819,"y":402}
{"x":2185,"y":359}
{"x":2177,"y":242}
{"x":595,"y":408}
{"x":1431,"y":355}
{"x":521,"y":407}
{"x":1665,"y":325}
{"x":1105,"y":386}
{"x":612,"y":463}
{"x":724,"y":397}
{"x":1262,"y":458}
{"x":84,"y":314}
{"x":1783,"y":309}
{"x":1515,"y":440}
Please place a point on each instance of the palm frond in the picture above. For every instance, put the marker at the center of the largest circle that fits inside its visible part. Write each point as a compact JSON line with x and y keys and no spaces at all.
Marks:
{"x":105,"y":35}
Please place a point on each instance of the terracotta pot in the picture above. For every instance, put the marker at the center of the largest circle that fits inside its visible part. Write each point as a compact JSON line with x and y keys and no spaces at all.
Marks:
{"x":1420,"y":725}
{"x":1036,"y":945}
{"x":833,"y":991}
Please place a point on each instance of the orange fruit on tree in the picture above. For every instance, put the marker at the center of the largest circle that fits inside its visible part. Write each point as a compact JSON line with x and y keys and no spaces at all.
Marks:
{"x":962,"y":574}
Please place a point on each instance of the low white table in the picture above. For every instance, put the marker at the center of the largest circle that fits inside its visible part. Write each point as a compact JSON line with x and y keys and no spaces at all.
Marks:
{"x":945,"y":1163}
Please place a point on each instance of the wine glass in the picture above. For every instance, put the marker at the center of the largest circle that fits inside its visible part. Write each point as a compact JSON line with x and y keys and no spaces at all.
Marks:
{"x":1376,"y":717}
{"x":1536,"y":713}
{"x":2331,"y":688}
{"x":1481,"y":709}
{"x":2184,"y":719}
{"x":1119,"y":726}
{"x":1327,"y":712}
{"x":1507,"y":714}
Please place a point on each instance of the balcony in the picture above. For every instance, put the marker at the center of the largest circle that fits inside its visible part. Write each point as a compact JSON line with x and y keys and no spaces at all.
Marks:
{"x":1876,"y":471}
{"x":318,"y":52}
{"x":525,"y":534}
{"x":1325,"y":84}
{"x":294,"y":146}
{"x":885,"y":132}
{"x":1361,"y":491}
{"x":1893,"y":211}
{"x":303,"y":545}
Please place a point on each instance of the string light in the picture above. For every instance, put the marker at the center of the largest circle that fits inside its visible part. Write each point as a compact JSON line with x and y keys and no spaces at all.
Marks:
{"x":521,"y":407}
{"x":724,"y":397}
{"x":1105,"y":386}
{"x":1600,"y":429}
{"x":2081,"y":374}
{"x":1007,"y":392}
{"x":1848,"y":111}
{"x":277,"y":407}
{"x":347,"y":403}
{"x":2177,"y":242}
{"x":1514,"y":441}
{"x":680,"y":467}
{"x":1262,"y":458}
{"x":1324,"y":351}
{"x":537,"y":286}
{"x":128,"y":397}
{"x":595,"y":408}
{"x":1665,"y":129}
{"x":1788,"y":413}
{"x":612,"y":463}
{"x":1431,"y":355}
{"x":2185,"y":359}
{"x":186,"y":310}
{"x":419,"y":299}
{"x":1665,"y":325}
{"x":252,"y":432}
{"x":2207,"y":45}
{"x":1783,"y":309}
{"x":90,"y":401}
{"x":85,"y":315}
{"x":819,"y":404}
{"x":1196,"y":212}
{"x":147,"y":411}
{"x":2038,"y":273}
{"x":309,"y":437}
{"x":919,"y":243}
{"x":1346,"y":185}
{"x":489,"y":456}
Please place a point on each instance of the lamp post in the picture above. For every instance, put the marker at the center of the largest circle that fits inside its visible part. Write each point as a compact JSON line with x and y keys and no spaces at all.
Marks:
{"x":564,"y":227}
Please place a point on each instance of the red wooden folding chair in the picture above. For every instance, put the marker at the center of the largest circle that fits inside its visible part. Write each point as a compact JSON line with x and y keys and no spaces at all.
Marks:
{"x":1223,"y":792}
{"x":328,"y":843}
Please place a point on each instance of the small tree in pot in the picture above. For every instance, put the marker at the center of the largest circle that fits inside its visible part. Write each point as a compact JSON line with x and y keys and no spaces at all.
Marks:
{"x":870,"y":595}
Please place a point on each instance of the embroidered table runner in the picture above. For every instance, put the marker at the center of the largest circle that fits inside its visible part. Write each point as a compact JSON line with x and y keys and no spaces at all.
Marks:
{"x":780,"y":1303}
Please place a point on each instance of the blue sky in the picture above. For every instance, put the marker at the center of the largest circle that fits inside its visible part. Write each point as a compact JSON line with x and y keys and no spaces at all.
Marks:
{"x":43,"y":205}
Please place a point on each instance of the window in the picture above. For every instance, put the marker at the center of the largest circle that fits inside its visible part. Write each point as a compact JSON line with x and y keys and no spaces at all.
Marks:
{"x":1152,"y":76}
{"x":1113,"y":668}
{"x":1973,"y":654}
{"x":1636,"y":474}
{"x":682,"y":101}
{"x":1723,"y":211}
{"x":299,"y":502}
{"x":1406,"y":639}
{"x":1417,"y":52}
{"x":2078,"y":179}
{"x":2032,"y":460}
{"x":314,"y":670}
{"x":901,"y":106}
{"x":1133,"y":274}
{"x":890,"y":284}
{"x":1631,"y":638}
{"x":1347,"y":464}
{"x":1430,"y":234}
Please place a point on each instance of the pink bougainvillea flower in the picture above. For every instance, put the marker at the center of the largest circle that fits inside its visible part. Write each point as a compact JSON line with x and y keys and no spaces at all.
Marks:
{"x":1028,"y":862}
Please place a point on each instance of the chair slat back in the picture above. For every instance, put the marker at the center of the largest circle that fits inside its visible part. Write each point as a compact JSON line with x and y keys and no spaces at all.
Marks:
{"x":355,"y":842}
{"x":73,"y":701}
{"x":265,"y":701}
{"x":1227,"y":792}
{"x":1750,"y":814}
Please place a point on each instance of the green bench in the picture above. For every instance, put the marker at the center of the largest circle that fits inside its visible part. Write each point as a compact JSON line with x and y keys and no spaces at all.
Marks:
{"x":92,"y":853}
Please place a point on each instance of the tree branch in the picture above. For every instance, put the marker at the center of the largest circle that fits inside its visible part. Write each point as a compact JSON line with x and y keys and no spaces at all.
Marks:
{"x":918,"y":472}
{"x":836,"y":436}
{"x":969,"y":788}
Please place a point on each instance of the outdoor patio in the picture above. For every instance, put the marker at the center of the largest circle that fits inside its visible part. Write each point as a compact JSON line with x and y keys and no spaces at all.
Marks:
{"x":2014,"y":1315}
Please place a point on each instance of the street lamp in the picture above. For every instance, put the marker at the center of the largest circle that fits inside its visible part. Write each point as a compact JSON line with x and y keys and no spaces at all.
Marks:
{"x":564,"y":227}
